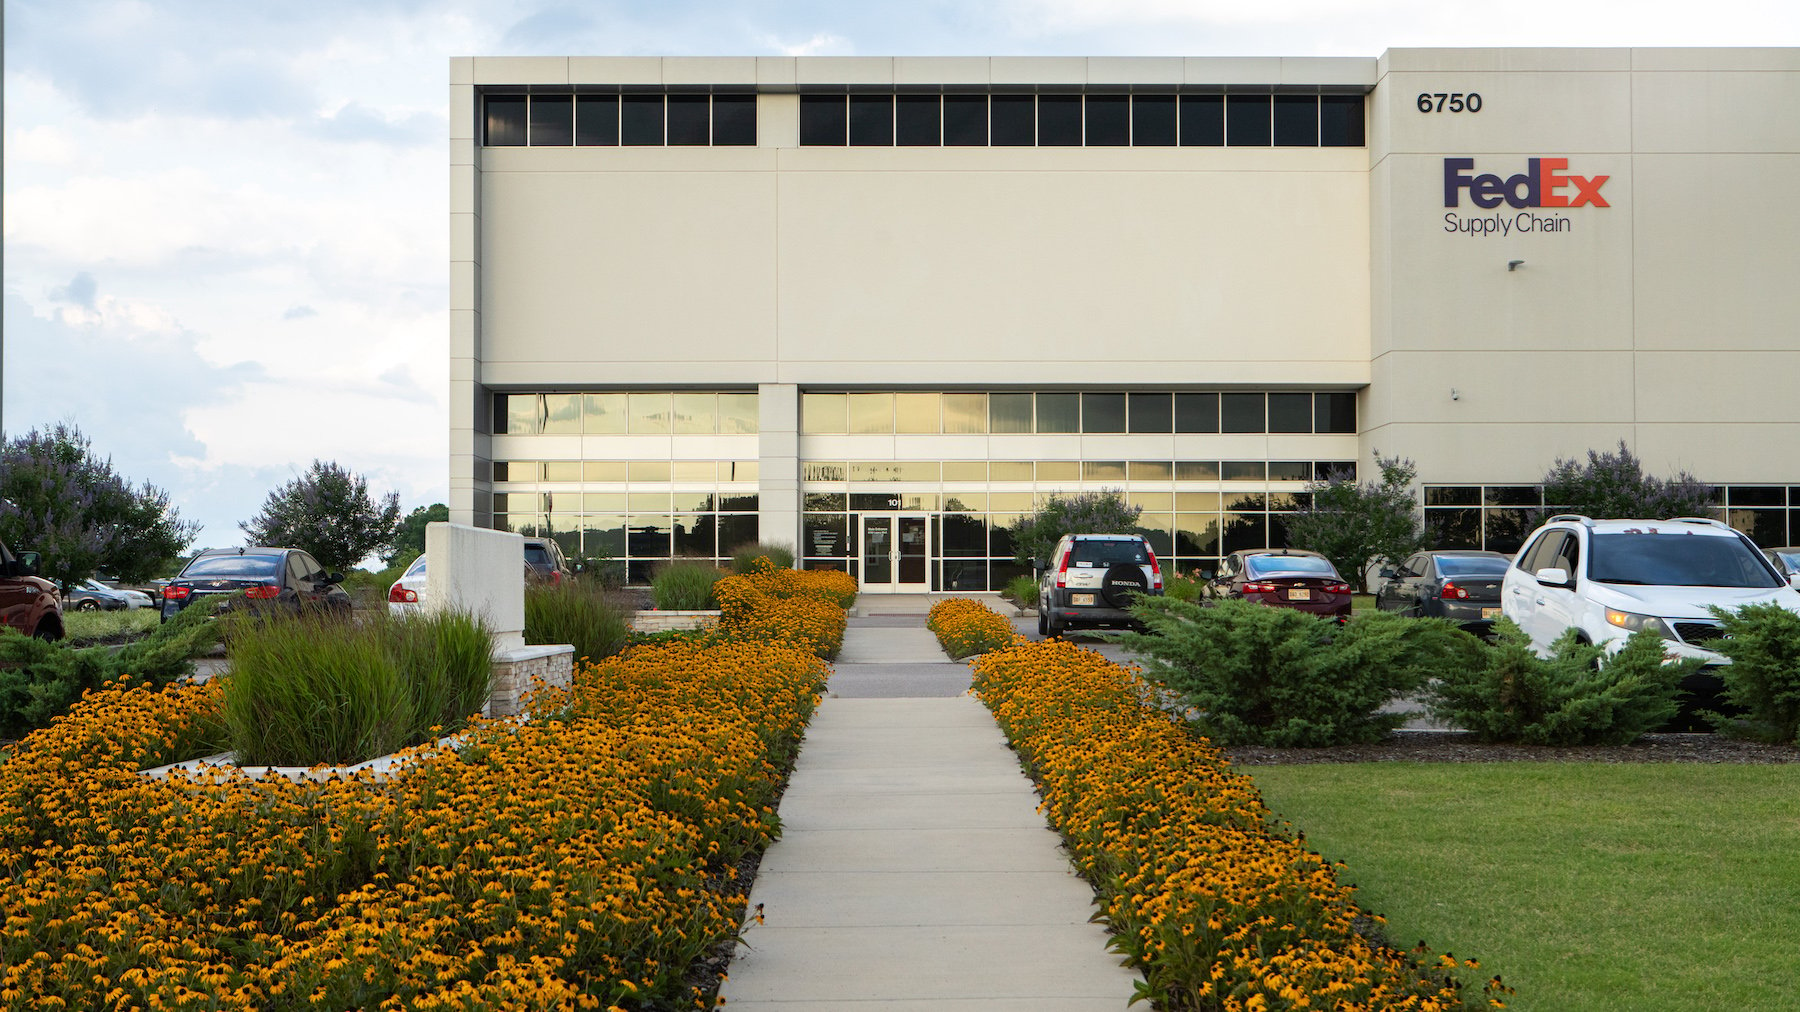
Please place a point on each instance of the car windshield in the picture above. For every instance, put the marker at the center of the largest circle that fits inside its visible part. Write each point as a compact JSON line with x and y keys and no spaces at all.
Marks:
{"x":1263,"y":565}
{"x":537,"y":555}
{"x":1791,"y":560}
{"x":237,"y":567}
{"x":1110,"y":553}
{"x":1676,"y":559}
{"x":94,"y":585}
{"x":1450,"y":565}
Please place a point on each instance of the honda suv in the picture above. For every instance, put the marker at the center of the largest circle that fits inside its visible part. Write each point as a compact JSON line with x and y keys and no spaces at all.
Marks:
{"x":1607,"y":579}
{"x":1092,"y":579}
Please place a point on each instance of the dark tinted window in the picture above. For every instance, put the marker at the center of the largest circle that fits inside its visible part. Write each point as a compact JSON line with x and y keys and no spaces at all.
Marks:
{"x":1512,"y":495}
{"x":248,"y":567}
{"x":822,"y":120}
{"x":965,"y":120}
{"x":505,"y":120}
{"x":1243,"y":413}
{"x":1196,"y":412}
{"x":1109,"y":553}
{"x":1341,"y":121}
{"x":1152,"y":120}
{"x":1290,"y":412}
{"x":1202,"y":120}
{"x":872,"y":120}
{"x":1108,"y":120}
{"x":1059,"y":412}
{"x":1059,"y":120}
{"x":596,"y":119}
{"x":690,"y":119}
{"x":1103,"y":412}
{"x":1453,"y":528}
{"x":1296,"y":121}
{"x":1757,"y":495}
{"x":1676,"y":560}
{"x":1452,"y":495}
{"x":552,"y":121}
{"x":1014,"y":119}
{"x":1247,"y":120}
{"x":1151,"y":413}
{"x":1334,"y":412}
{"x":641,"y":119}
{"x":1470,"y":566}
{"x":734,"y":119}
{"x":917,"y":121}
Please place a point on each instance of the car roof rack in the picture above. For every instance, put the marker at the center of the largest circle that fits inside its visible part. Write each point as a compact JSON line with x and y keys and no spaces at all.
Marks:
{"x":1709,"y":521}
{"x":1589,"y":521}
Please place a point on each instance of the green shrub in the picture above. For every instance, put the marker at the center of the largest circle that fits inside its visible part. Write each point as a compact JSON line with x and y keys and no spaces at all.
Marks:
{"x":685,"y":586}
{"x":1763,"y":642}
{"x":1182,"y":588}
{"x":743,"y":559}
{"x":308,"y":689}
{"x":1573,"y":697}
{"x":1022,"y":591}
{"x":576,"y":612}
{"x":40,"y":681}
{"x":1254,"y":675}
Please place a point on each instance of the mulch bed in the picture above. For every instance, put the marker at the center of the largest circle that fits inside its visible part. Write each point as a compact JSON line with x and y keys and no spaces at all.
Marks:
{"x":1455,"y":747}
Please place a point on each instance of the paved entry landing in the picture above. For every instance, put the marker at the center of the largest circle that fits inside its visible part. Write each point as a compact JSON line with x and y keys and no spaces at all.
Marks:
{"x":914,"y":871}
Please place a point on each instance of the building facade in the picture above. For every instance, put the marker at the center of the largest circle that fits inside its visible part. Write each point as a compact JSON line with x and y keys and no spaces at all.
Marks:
{"x":876,"y":308}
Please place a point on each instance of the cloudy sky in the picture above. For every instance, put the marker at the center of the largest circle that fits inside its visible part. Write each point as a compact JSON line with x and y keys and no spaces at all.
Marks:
{"x":226,"y":247}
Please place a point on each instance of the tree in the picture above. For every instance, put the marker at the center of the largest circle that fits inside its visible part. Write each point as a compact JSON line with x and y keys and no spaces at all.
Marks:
{"x":1354,"y":525}
{"x":1613,"y":486}
{"x":57,"y":498}
{"x":328,"y":512}
{"x":409,"y":542}
{"x":1104,"y":512}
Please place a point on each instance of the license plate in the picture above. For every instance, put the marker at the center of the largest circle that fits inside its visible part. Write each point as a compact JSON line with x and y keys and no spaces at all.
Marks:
{"x":1081,"y":599}
{"x":1490,"y":613}
{"x":1299,"y":594}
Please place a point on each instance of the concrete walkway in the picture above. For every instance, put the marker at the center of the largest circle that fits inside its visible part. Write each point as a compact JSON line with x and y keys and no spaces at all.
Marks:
{"x":914,"y":871}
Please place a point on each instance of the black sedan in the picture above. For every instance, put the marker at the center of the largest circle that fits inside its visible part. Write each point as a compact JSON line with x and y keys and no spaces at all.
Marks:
{"x":1462,"y":586}
{"x":279,"y":578}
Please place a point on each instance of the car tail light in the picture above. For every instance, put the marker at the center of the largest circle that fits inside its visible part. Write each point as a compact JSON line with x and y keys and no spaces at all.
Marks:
{"x":1452,"y":592}
{"x":1337,"y":588}
{"x":1155,"y":573}
{"x":176,"y":593}
{"x":401,"y":595}
{"x":264,"y":592}
{"x":1259,"y":588}
{"x":1062,"y":570}
{"x":556,"y":578}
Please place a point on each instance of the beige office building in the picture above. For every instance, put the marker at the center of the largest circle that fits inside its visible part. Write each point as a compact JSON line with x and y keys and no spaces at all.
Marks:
{"x":877,"y":307}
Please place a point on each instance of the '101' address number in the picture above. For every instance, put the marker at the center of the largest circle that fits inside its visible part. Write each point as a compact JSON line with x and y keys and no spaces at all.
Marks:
{"x":1449,"y":101}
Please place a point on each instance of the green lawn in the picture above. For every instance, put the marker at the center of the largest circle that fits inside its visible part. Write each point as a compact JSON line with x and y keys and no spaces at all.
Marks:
{"x":1629,"y":887}
{"x":84,"y":627}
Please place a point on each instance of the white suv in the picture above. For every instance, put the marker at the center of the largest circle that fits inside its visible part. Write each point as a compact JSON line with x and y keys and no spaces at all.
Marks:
{"x":1091,"y":579}
{"x":1609,"y":578}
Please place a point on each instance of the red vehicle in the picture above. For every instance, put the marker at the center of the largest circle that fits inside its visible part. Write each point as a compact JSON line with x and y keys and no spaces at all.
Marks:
{"x":28,"y":602}
{"x":1283,"y":578}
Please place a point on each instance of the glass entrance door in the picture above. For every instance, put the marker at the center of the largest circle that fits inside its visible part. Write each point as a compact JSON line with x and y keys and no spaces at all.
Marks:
{"x":896,"y":553}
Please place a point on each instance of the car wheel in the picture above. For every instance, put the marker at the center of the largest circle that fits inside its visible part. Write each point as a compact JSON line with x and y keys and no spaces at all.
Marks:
{"x":87,"y":604}
{"x":49,"y":630}
{"x":1043,"y":620}
{"x":1053,"y":628}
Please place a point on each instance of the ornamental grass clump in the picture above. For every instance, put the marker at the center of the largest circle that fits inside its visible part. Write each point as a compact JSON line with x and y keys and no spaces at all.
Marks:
{"x":1202,"y":889}
{"x":577,"y":612}
{"x":1576,"y":696}
{"x":965,"y":627}
{"x":1255,"y":675}
{"x":311,"y":688}
{"x":685,"y":586}
{"x":744,"y":557}
{"x":583,"y":862}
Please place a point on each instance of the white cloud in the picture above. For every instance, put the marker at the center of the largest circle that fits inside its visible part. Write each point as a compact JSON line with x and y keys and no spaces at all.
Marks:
{"x":820,"y":44}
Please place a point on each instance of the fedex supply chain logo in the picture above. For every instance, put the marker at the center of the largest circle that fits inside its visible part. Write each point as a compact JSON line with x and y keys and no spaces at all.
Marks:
{"x":1545,"y":183}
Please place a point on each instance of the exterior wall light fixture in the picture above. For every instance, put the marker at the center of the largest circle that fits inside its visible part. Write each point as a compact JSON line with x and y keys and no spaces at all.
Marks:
{"x":1513,"y":265}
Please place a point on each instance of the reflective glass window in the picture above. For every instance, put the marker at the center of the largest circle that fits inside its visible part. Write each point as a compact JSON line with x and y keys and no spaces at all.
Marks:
{"x":966,"y":470}
{"x":1059,"y":470}
{"x":871,"y":412}
{"x":1151,"y":412}
{"x":1290,"y":412}
{"x":1453,"y":528}
{"x":1059,"y":412}
{"x":1196,"y":470}
{"x":871,"y":120}
{"x":648,"y":502}
{"x":603,"y":502}
{"x":965,"y":502}
{"x":738,"y":414}
{"x":1452,"y":495}
{"x":1151,"y":470}
{"x":825,"y":535}
{"x":562,"y":470}
{"x":1108,"y":120}
{"x":1242,"y":413}
{"x":1196,"y":533}
{"x":965,"y":412}
{"x":603,"y":535}
{"x":695,"y":535}
{"x":1160,"y":502}
{"x":1290,"y":470}
{"x":603,"y":470}
{"x":696,"y":413}
{"x":505,"y":120}
{"x":1512,"y":495}
{"x":1204,"y":502}
{"x":823,"y":413}
{"x":552,"y":121}
{"x":1756,"y":495}
{"x":641,"y":120}
{"x":1244,"y":470}
{"x":1103,"y":412}
{"x":1152,"y":120}
{"x":649,"y":412}
{"x":690,"y":119}
{"x":596,"y":120}
{"x":1202,"y":120}
{"x":1341,"y":121}
{"x":918,"y":121}
{"x":694,"y":471}
{"x":1102,"y":470}
{"x":916,"y":412}
{"x":648,"y":534}
{"x":1011,"y":470}
{"x":524,"y":414}
{"x":738,"y":470}
{"x":1296,"y":121}
{"x":1240,"y":531}
{"x":733,"y":120}
{"x":649,"y":470}
{"x":729,"y":503}
{"x":1059,"y":120}
{"x":1335,"y":412}
{"x":562,"y":413}
{"x":1014,"y":120}
{"x":603,"y":413}
{"x":1196,"y":412}
{"x":965,"y":121}
{"x":963,"y":535}
{"x":1247,"y":120}
{"x":823,"y":120}
{"x":1009,"y":412}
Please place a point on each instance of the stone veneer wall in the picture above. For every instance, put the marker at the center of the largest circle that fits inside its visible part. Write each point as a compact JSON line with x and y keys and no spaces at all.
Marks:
{"x":514,"y":670}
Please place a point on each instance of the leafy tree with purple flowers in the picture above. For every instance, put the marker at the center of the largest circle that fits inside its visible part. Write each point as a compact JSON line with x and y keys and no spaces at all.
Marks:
{"x":328,"y":512}
{"x":1613,"y":486}
{"x":61,"y":500}
{"x":1035,"y":534}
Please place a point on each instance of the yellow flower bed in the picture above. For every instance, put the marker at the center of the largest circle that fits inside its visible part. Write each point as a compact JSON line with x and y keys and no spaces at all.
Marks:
{"x":1219,"y":910}
{"x":804,"y":608}
{"x":965,"y":627}
{"x":584,"y":861}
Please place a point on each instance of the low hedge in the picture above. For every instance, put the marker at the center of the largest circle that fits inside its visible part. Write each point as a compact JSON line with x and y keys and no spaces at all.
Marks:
{"x":585,"y":860}
{"x":964,"y":627}
{"x":1204,"y":893}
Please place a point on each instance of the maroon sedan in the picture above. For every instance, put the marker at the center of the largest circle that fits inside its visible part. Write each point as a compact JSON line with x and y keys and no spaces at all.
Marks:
{"x":1283,"y":578}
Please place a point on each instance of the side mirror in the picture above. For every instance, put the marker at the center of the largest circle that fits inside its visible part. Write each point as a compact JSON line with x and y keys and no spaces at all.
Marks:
{"x":1387,"y":572}
{"x":1037,"y":565}
{"x":332,"y":578}
{"x":28,"y":564}
{"x":1554,"y":577}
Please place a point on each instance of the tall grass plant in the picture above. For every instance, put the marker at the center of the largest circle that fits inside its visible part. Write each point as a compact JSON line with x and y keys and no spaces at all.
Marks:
{"x":685,"y":585}
{"x":578,"y":612}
